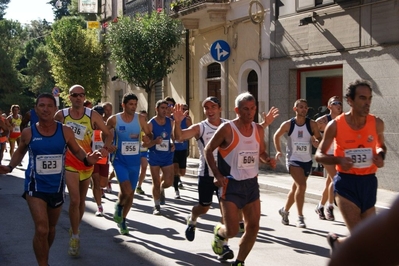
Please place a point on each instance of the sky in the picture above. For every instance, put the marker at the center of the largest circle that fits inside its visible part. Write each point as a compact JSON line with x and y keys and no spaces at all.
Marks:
{"x":27,"y":10}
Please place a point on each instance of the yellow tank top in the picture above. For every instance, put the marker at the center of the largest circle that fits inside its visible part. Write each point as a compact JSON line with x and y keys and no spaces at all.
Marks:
{"x":83,"y":130}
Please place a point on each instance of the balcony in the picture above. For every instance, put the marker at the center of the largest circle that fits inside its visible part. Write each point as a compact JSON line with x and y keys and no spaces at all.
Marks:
{"x":196,"y":14}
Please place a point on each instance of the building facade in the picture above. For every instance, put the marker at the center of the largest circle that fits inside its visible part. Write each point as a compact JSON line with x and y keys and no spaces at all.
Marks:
{"x":317,"y":47}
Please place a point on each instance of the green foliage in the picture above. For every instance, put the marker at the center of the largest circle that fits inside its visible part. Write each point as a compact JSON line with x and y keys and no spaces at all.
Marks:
{"x":143,"y":48}
{"x":76,"y":56}
{"x":3,"y":7}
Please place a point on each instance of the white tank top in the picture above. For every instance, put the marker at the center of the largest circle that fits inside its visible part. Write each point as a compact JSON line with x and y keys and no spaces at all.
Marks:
{"x":240,"y":160}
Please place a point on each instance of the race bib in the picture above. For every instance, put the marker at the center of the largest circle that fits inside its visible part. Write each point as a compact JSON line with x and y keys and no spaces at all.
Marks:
{"x":130,"y":147}
{"x":301,"y":147}
{"x":361,"y":157}
{"x":97,"y":145}
{"x":247,"y":159}
{"x":78,"y":129}
{"x":164,"y":146}
{"x":49,"y":164}
{"x":16,"y":129}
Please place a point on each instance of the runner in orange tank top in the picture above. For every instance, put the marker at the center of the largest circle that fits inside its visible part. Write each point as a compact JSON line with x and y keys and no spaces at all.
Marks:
{"x":359,"y":150}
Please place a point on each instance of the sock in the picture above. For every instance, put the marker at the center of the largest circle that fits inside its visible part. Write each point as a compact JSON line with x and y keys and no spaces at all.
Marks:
{"x":157,"y":202}
{"x":320,"y":205}
{"x":75,"y":236}
{"x":176,"y":179}
{"x":331,"y":205}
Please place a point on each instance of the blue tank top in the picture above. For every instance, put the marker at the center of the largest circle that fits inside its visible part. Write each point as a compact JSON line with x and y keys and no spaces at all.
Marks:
{"x":127,"y":141}
{"x":183,"y":145}
{"x":161,"y":150}
{"x":46,"y":168}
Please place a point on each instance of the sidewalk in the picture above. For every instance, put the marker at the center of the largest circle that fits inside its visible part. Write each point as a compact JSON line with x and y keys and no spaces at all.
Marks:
{"x":282,"y":182}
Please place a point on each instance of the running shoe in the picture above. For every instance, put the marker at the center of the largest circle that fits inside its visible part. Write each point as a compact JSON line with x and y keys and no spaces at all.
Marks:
{"x":140,"y":191}
{"x":320,"y":212}
{"x":177,"y":196}
{"x":284,"y":216}
{"x":227,"y":253}
{"x":330,"y":213}
{"x":190,"y":230}
{"x":181,"y":185}
{"x":100,"y":212}
{"x":118,"y":213}
{"x":217,"y":243}
{"x":123,"y":228}
{"x":162,"y":197}
{"x":301,"y":222}
{"x":242,"y":227}
{"x":74,"y":246}
{"x":157,"y":210}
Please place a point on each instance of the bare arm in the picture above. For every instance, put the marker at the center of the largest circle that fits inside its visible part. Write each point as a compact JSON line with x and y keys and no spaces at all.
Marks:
{"x":59,"y":116}
{"x":378,"y":159}
{"x":284,"y":128}
{"x":316,"y":138}
{"x":219,"y":138}
{"x":19,"y":153}
{"x":74,"y":147}
{"x":106,"y":134}
{"x":321,"y":155}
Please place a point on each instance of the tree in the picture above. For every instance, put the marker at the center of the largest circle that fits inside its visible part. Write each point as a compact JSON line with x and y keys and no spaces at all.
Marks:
{"x":143,"y":48}
{"x":76,"y":56}
{"x":3,"y":7}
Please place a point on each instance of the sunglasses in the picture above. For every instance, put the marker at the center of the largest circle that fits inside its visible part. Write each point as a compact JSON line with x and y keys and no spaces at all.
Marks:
{"x":336,"y":103}
{"x":74,"y":95}
{"x":171,"y":105}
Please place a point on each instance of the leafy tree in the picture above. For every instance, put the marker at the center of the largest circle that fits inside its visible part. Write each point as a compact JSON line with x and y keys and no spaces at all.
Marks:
{"x":76,"y":56}
{"x":143,"y":48}
{"x":3,"y":7}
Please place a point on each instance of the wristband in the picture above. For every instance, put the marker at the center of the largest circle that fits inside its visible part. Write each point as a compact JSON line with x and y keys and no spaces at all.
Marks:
{"x":382,"y":155}
{"x":86,"y":163}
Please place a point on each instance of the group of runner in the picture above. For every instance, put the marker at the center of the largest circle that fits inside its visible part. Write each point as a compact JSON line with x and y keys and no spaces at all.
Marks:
{"x":230,"y":152}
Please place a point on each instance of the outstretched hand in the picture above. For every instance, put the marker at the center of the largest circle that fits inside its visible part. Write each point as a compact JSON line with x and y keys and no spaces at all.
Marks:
{"x":270,"y":116}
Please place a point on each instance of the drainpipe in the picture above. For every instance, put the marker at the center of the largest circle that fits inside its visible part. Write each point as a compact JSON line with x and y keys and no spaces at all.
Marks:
{"x":188,"y":67}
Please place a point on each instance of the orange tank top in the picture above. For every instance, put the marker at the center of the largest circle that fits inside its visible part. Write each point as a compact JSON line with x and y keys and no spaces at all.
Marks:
{"x":360,"y":145}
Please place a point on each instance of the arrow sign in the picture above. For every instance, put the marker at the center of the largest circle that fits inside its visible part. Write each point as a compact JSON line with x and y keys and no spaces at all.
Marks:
{"x":220,"y":50}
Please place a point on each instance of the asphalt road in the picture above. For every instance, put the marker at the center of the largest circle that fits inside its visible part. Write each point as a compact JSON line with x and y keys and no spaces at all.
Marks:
{"x":160,"y":240}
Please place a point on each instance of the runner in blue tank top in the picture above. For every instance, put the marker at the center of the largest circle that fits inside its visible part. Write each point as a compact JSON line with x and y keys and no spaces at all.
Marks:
{"x":160,"y":154}
{"x":47,"y":142}
{"x":127,"y":126}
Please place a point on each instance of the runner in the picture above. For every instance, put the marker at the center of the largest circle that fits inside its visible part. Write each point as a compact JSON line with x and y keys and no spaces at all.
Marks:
{"x":203,"y":132}
{"x":46,"y":141}
{"x":126,"y":160}
{"x":302,"y":133}
{"x":335,"y":107}
{"x":15,"y":120}
{"x":358,"y":152}
{"x":160,"y":154}
{"x":82,"y":120}
{"x":240,"y":148}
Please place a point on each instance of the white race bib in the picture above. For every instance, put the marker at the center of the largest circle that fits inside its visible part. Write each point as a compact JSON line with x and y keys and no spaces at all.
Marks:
{"x":301,"y":147}
{"x":130,"y":148}
{"x":164,"y":146}
{"x":49,"y":164}
{"x":78,"y":129}
{"x":16,"y":129}
{"x":361,"y":157}
{"x":247,"y":159}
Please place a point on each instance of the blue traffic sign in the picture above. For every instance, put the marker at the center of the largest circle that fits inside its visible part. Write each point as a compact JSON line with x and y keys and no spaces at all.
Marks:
{"x":220,"y":50}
